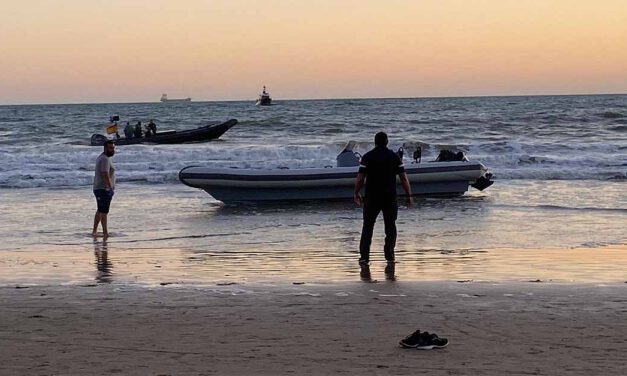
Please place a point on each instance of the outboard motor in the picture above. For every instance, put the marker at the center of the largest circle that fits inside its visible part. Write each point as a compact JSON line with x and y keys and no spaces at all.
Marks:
{"x":400,"y":153}
{"x":98,"y":140}
{"x":483,"y":182}
{"x":348,"y":158}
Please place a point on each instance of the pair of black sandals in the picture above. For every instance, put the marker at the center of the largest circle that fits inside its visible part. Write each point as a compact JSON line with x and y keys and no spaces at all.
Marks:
{"x":423,"y":341}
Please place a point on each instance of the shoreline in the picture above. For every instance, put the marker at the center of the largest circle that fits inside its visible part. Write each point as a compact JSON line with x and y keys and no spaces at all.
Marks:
{"x":120,"y":265}
{"x":493,"y":329}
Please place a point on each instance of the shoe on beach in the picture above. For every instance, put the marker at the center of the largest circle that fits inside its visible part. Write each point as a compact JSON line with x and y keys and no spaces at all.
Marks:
{"x":423,"y":341}
{"x":363,"y":262}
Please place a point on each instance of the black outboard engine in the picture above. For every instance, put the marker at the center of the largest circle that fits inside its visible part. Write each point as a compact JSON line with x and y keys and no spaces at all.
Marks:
{"x":483,"y":182}
{"x":400,"y":153}
{"x":98,"y":140}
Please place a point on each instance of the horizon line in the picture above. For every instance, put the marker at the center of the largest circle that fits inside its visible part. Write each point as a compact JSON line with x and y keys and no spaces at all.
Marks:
{"x":323,"y":99}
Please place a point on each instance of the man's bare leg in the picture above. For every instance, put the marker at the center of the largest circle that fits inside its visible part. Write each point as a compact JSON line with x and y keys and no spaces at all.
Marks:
{"x":103,"y":220}
{"x":94,"y":233}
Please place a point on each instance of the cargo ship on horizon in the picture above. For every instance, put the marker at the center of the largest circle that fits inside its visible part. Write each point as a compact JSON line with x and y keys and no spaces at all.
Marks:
{"x":164,"y":99}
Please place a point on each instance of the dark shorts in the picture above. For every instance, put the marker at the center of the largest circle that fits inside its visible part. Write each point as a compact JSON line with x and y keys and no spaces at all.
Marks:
{"x":103,"y":198}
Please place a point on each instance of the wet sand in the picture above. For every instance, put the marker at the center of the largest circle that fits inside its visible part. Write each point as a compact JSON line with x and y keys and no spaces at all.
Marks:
{"x":351,"y":328}
{"x":147,"y":266}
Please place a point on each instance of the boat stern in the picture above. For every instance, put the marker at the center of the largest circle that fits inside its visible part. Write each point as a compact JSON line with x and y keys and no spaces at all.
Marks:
{"x":484,"y":181}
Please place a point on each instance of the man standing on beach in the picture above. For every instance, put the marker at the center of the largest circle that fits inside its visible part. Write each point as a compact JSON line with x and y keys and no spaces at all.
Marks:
{"x":378,"y":169}
{"x":104,"y":184}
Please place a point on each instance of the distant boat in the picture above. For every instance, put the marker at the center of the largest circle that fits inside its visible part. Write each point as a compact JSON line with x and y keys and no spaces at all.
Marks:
{"x":164,"y":99}
{"x":264,"y":98}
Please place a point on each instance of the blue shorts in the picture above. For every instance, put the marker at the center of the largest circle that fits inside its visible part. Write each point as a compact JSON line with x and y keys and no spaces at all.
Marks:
{"x":103,"y":199}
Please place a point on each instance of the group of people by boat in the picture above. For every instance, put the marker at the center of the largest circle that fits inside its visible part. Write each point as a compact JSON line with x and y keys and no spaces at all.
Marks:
{"x":137,"y":131}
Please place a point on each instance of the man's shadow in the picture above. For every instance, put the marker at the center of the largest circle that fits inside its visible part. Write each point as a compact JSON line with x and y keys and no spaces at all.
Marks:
{"x":103,"y":265}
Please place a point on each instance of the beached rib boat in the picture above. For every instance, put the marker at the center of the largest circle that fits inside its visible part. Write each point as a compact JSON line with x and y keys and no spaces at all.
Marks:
{"x":235,"y":185}
{"x":202,"y":134}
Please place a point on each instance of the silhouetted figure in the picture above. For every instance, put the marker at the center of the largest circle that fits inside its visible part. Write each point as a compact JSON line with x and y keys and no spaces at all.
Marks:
{"x":152,"y":128}
{"x":138,"y":130}
{"x":378,"y":170}
{"x":128,"y":130}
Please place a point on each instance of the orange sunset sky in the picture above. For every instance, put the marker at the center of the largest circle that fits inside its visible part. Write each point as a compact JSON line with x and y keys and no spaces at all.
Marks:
{"x":71,"y":51}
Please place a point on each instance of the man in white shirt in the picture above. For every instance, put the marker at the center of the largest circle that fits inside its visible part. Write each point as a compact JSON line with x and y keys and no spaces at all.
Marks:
{"x":104,"y":185}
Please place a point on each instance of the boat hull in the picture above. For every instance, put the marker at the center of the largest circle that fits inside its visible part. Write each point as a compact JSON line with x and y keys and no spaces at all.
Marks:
{"x":264,"y":102}
{"x":183,"y":100}
{"x":203,"y":134}
{"x":431,"y":179}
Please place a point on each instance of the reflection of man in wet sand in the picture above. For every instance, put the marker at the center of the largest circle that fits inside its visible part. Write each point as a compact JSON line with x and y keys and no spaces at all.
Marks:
{"x":104,"y":184}
{"x":103,"y":265}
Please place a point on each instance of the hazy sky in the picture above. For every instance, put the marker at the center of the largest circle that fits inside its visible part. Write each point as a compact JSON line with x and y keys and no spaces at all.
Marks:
{"x":59,"y":51}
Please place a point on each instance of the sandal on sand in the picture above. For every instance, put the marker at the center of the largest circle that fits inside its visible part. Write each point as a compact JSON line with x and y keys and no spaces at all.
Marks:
{"x":423,"y":341}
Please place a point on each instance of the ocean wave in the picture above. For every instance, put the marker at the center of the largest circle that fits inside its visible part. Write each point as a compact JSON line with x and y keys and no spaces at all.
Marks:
{"x":572,"y":173}
{"x":582,"y":209}
{"x":517,"y":138}
{"x":611,"y":115}
{"x":14,"y":119}
{"x":618,"y":128}
{"x":73,"y":166}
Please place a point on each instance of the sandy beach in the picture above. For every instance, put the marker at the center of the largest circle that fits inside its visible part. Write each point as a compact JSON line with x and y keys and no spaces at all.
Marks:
{"x":494,"y":329}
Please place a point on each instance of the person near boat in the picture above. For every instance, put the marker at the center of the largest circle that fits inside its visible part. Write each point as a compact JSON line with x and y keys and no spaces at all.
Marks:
{"x":151,"y":129}
{"x":378,"y":170}
{"x":128,"y":130}
{"x":104,"y":185}
{"x":138,"y":130}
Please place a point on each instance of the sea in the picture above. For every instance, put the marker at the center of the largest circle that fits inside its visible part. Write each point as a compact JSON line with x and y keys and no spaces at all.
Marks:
{"x":556,"y":212}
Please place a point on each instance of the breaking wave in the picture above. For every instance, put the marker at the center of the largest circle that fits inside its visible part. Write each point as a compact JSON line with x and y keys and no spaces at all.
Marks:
{"x":550,"y":138}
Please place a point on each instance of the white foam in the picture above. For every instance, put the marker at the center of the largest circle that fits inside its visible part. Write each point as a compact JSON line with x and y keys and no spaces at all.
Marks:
{"x":72,"y":165}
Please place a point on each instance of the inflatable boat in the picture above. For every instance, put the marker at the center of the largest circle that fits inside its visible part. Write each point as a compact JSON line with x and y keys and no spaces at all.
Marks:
{"x":448,"y":178}
{"x":202,"y":134}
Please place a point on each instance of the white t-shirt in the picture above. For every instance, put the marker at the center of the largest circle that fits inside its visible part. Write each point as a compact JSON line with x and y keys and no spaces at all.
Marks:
{"x":104,"y":164}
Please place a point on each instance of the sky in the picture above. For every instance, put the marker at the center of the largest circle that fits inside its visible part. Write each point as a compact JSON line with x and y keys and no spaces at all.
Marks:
{"x":92,"y":51}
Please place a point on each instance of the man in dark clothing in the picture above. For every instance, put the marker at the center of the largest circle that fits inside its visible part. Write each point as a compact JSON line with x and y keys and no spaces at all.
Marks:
{"x":138,"y":130}
{"x":378,"y":169}
{"x":152,"y":128}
